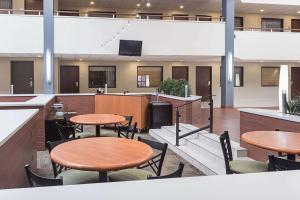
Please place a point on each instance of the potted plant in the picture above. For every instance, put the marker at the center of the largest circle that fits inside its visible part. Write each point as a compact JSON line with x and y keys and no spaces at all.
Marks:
{"x":174,"y":87}
{"x":293,"y":106}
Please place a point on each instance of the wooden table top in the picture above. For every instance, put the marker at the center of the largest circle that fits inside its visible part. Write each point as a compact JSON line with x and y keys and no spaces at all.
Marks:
{"x":284,"y":142}
{"x":101,"y":154}
{"x":97,"y":119}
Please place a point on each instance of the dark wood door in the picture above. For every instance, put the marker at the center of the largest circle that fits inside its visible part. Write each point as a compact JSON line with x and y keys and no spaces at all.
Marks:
{"x":295,"y":25}
{"x":203,"y":81}
{"x":69,"y":79}
{"x":295,"y":87}
{"x":181,"y":72}
{"x":34,"y":6}
{"x":22,"y":77}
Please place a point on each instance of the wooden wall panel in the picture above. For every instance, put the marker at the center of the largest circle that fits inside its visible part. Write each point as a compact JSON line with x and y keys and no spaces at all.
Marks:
{"x":251,"y":122}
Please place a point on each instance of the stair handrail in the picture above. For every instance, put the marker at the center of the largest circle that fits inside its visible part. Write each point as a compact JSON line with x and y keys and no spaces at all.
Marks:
{"x":210,"y":119}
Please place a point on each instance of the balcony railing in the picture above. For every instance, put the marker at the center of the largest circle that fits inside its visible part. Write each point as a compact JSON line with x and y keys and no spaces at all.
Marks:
{"x":210,"y":119}
{"x":256,"y":29}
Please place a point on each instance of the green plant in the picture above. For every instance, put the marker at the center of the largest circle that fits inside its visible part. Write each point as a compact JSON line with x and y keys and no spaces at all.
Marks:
{"x":293,"y":106}
{"x":174,"y":87}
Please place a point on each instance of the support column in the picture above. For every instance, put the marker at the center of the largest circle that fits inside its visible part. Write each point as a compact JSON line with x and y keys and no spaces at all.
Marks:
{"x":48,"y":47}
{"x":227,"y":68}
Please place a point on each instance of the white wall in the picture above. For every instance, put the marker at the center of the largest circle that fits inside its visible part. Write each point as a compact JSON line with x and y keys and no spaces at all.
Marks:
{"x":267,"y":46}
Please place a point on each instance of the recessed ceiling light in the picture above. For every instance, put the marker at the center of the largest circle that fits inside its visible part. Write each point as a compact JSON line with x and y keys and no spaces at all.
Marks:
{"x":262,"y":10}
{"x":138,"y":5}
{"x":39,"y":56}
{"x":137,"y":16}
{"x":181,"y":6}
{"x":148,"y":4}
{"x":92,"y":2}
{"x":181,"y":60}
{"x":298,"y":12}
{"x":138,"y":60}
{"x":80,"y":59}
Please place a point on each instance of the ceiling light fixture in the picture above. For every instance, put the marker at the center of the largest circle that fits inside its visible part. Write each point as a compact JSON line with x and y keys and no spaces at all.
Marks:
{"x":181,"y":6}
{"x":274,"y":2}
{"x":262,"y":10}
{"x":92,"y":2}
{"x":80,"y":59}
{"x":138,"y":5}
{"x":148,"y":4}
{"x":298,"y":12}
{"x":138,"y":60}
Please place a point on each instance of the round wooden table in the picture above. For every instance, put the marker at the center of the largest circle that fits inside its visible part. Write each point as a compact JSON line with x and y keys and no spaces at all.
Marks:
{"x":97,"y":120}
{"x":279,"y":141}
{"x":101,"y":154}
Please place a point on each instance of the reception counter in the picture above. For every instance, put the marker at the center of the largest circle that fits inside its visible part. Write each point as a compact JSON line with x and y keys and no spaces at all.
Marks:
{"x":265,"y":120}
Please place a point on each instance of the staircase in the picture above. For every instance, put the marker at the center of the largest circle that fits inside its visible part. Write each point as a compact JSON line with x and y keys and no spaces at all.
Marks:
{"x":203,"y":150}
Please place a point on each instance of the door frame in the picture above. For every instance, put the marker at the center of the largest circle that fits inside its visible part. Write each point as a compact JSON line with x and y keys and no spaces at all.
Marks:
{"x":76,"y":66}
{"x":210,"y":69}
{"x":291,"y":86}
{"x":11,"y":73}
{"x":187,"y":69}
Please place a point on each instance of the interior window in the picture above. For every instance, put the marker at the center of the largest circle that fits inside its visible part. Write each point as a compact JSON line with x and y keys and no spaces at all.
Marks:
{"x":149,"y":76}
{"x":101,"y":75}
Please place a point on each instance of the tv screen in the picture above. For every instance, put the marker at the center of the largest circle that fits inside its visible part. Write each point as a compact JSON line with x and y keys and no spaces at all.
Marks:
{"x":130,"y":48}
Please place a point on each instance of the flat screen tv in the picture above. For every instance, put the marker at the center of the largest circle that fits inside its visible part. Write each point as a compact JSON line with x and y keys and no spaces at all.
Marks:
{"x":130,"y":48}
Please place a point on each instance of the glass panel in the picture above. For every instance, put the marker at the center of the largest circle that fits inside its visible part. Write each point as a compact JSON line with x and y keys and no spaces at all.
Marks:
{"x":238,"y":76}
{"x":101,"y":75}
{"x":270,"y":76}
{"x":149,"y":76}
{"x":239,"y":23}
{"x":5,"y":4}
{"x":270,"y":24}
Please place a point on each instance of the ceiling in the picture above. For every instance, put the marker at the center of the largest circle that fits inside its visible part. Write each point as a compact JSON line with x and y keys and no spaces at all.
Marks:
{"x":189,"y":5}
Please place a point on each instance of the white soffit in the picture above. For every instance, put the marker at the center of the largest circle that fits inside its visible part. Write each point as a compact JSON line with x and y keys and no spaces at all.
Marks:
{"x":274,"y":2}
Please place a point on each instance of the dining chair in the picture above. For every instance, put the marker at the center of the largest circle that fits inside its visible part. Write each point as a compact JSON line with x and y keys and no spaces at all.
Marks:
{"x":238,"y":166}
{"x":71,"y":176}
{"x":68,"y":131}
{"x":78,"y":127}
{"x":129,"y":132}
{"x":281,"y":164}
{"x":176,"y":174}
{"x":140,"y":173}
{"x":36,"y":180}
{"x":121,"y":125}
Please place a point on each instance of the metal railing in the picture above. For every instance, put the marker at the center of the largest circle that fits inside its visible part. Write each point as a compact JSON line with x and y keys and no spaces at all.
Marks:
{"x":210,"y":119}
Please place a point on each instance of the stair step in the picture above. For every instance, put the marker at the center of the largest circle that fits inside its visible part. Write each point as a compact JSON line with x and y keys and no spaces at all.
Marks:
{"x":183,"y":130}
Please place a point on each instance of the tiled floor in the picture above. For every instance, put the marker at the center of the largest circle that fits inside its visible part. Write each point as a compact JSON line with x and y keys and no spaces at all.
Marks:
{"x":171,"y":161}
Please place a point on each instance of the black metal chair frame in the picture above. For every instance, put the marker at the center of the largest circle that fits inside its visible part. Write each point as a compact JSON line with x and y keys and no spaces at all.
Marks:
{"x":39,"y":181}
{"x":280,"y":164}
{"x":227,"y":151}
{"x":65,"y":131}
{"x":176,"y":174}
{"x":156,"y":162}
{"x":123,"y":126}
{"x":57,"y":169}
{"x":128,"y":133}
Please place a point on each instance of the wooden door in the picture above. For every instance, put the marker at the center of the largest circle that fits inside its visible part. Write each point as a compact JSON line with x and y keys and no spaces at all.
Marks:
{"x":180,"y":73}
{"x":203,"y":81}
{"x":69,"y":79}
{"x":22,"y":77}
{"x":295,"y":25}
{"x":295,"y":87}
{"x":34,"y":6}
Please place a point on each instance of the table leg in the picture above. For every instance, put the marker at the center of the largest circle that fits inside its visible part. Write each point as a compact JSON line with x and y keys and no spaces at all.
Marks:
{"x":291,"y":157}
{"x":103,"y":177}
{"x":98,"y":131}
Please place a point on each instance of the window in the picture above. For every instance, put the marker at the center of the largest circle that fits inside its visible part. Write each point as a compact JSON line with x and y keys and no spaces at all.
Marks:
{"x":270,"y":76}
{"x":5,"y":4}
{"x":101,"y":75}
{"x":149,"y":76}
{"x":272,"y":24}
{"x":102,"y":14}
{"x":203,"y":18}
{"x":238,"y":76}
{"x":181,"y":17}
{"x":150,"y":16}
{"x":34,"y":7}
{"x":239,"y":23}
{"x":180,"y":73}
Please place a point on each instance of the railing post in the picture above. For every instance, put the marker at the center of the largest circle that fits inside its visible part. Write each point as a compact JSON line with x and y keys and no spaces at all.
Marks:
{"x":211,"y":115}
{"x":177,"y":126}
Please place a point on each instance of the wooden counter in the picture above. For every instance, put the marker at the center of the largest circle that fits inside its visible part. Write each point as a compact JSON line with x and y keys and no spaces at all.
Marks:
{"x":134,"y":105}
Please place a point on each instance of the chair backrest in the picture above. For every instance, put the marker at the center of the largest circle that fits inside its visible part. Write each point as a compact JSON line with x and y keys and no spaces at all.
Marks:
{"x":227,"y":151}
{"x":39,"y":181}
{"x":127,"y":122}
{"x":157,"y":160}
{"x":176,"y":174}
{"x":50,"y":146}
{"x":65,"y":130}
{"x":129,"y":133}
{"x":280,"y":164}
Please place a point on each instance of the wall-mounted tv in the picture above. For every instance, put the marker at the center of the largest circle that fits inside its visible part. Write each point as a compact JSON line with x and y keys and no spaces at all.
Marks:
{"x":130,"y":48}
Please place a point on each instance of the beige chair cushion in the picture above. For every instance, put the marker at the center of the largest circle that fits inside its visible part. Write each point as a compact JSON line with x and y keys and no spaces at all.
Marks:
{"x":85,"y":135}
{"x":129,"y":175}
{"x":247,"y":166}
{"x":74,"y":177}
{"x":109,"y":134}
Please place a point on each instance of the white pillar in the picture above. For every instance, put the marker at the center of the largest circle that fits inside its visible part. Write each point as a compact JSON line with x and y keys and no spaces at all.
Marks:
{"x":283,"y":84}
